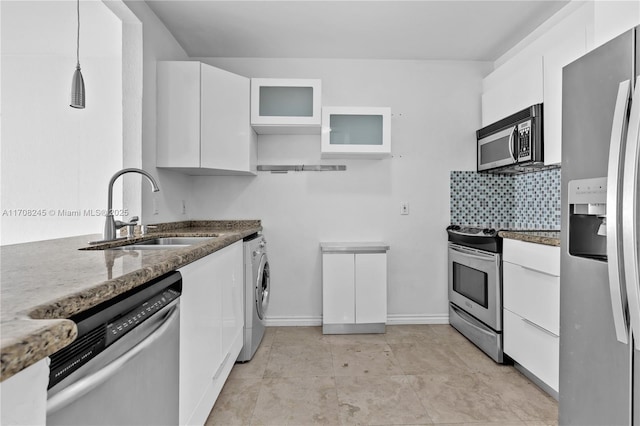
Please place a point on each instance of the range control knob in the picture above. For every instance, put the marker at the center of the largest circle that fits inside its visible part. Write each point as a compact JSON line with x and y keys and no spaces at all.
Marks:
{"x":488,"y":231}
{"x":453,"y":227}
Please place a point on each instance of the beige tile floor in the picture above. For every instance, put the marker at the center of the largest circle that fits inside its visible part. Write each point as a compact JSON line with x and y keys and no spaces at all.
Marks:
{"x":411,"y":375}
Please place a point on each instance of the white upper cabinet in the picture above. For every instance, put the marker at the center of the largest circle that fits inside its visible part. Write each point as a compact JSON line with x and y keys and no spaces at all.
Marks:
{"x":534,"y":75}
{"x":203,"y":120}
{"x":612,"y":18}
{"x":514,"y":86}
{"x":356,"y":132}
{"x":569,"y":45}
{"x":285,"y":106}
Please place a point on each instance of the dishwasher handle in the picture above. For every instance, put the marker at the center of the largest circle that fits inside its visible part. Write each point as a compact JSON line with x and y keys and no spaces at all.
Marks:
{"x":86,"y":384}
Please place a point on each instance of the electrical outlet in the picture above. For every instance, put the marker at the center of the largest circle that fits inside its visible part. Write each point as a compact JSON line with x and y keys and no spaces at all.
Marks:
{"x":404,"y":207}
{"x":155,"y":206}
{"x":184,"y":207}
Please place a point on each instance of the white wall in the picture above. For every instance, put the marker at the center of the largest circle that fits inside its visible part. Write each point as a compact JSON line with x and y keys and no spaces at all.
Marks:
{"x":54,"y":157}
{"x":158,"y":45}
{"x":436,"y":110}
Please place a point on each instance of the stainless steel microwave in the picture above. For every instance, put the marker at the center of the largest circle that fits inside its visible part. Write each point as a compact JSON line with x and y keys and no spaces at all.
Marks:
{"x":512,"y":144}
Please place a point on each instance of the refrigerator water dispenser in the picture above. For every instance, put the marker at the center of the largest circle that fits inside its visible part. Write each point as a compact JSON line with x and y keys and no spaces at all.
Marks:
{"x":588,"y":218}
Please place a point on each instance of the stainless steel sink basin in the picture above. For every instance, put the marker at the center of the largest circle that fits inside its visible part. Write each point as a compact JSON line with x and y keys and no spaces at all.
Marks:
{"x":174,"y":241}
{"x":164,"y":243}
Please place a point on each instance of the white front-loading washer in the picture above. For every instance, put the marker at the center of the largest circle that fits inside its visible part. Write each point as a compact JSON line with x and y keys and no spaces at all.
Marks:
{"x":257,"y":288}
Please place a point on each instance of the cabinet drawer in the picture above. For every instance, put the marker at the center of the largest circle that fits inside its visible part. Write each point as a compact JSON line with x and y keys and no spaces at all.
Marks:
{"x":540,"y":257}
{"x":535,"y":349}
{"x":532,"y":295}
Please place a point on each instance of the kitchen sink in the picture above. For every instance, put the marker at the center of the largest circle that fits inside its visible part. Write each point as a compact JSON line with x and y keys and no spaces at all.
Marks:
{"x":165,"y":242}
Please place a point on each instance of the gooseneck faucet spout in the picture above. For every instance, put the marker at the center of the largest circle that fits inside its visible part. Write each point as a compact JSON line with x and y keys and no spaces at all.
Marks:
{"x":110,"y":224}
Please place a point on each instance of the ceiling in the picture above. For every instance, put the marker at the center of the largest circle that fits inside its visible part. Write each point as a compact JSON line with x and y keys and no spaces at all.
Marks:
{"x":393,"y":29}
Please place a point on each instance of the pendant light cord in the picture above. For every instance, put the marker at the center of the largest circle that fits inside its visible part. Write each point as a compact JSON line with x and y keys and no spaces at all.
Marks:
{"x":78,"y":36}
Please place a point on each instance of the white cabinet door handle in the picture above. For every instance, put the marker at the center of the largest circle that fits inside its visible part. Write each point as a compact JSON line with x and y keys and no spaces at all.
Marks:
{"x":534,"y":325}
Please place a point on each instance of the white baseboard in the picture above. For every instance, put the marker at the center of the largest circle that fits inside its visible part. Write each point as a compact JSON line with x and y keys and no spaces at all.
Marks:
{"x":293,"y":321}
{"x":392,"y":319}
{"x":402,"y":319}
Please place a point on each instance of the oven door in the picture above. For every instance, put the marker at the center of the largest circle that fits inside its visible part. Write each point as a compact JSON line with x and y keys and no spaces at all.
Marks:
{"x":498,"y":149}
{"x":475,"y":285}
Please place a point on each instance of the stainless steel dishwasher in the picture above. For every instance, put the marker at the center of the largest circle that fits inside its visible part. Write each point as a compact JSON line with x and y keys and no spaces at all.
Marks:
{"x":123,"y":367}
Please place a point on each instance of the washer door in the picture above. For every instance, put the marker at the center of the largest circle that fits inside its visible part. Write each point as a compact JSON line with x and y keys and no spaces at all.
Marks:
{"x":263,"y":287}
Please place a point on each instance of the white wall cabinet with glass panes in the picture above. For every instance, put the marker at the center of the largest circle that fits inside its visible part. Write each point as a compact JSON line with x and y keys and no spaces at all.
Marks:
{"x":286,"y":106}
{"x":356,"y":132}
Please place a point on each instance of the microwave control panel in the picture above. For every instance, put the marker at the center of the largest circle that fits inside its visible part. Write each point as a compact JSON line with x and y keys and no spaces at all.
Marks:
{"x":524,"y":141}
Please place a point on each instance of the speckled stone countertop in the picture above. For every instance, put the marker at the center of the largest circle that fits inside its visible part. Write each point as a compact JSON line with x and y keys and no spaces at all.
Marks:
{"x":45,"y":282}
{"x":549,"y":238}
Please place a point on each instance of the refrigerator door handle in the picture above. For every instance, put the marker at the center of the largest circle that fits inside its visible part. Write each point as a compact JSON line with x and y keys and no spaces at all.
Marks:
{"x":614,"y":174}
{"x":630,"y":214}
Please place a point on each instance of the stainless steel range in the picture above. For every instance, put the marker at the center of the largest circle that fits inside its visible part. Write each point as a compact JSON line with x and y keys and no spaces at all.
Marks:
{"x":475,"y":287}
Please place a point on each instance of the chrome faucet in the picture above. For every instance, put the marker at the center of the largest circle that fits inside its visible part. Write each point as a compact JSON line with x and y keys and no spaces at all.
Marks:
{"x":110,"y":227}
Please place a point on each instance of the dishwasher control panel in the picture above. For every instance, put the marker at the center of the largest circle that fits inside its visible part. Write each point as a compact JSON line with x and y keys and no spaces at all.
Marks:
{"x":130,"y":320}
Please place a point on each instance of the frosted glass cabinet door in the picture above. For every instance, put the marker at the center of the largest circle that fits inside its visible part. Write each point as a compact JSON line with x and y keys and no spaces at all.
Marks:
{"x":352,"y":132}
{"x":285,"y":106}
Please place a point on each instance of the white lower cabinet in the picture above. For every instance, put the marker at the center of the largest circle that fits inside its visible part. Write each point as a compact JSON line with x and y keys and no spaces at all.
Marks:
{"x":24,"y":396}
{"x":531,"y":299}
{"x":354,"y":288}
{"x":211,"y":323}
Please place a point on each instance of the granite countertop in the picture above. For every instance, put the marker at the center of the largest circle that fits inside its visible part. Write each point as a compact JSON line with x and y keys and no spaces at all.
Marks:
{"x":549,"y":238}
{"x":45,"y":282}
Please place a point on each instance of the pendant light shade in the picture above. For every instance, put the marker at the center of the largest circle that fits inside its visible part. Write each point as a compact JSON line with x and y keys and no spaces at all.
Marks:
{"x":77,"y":89}
{"x":77,"y":82}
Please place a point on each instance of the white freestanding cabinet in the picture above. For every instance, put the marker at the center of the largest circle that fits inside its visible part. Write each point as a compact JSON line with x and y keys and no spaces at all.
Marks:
{"x":531,"y":290}
{"x":286,"y":106}
{"x":356,"y":132}
{"x":203,"y":120}
{"x":354,"y":287}
{"x":211,"y":329}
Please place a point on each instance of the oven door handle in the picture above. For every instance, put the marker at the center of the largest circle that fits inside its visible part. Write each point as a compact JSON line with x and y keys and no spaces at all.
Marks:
{"x":472,"y":322}
{"x":487,"y":258}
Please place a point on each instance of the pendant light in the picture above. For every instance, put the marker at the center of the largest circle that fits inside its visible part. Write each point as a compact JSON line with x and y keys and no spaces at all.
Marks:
{"x":77,"y":83}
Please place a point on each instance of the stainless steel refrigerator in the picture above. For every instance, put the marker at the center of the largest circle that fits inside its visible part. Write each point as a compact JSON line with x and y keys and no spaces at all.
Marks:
{"x":599,"y":285}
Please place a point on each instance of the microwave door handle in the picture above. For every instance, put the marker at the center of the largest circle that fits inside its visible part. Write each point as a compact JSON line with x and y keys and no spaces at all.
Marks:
{"x":614,"y":173}
{"x":512,"y":141}
{"x":630,"y":213}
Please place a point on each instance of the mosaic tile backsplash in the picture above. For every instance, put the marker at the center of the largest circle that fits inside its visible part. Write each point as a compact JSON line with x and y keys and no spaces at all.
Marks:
{"x":527,"y":201}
